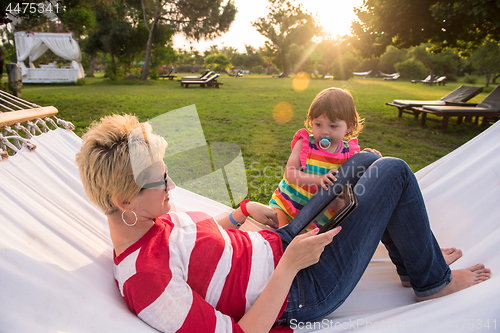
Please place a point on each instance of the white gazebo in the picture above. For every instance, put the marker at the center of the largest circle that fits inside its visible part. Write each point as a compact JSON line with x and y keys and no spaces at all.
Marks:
{"x":32,"y":45}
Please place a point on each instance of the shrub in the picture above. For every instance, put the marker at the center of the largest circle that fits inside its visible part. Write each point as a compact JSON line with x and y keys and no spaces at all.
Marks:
{"x":411,"y":68}
{"x":470,"y":79}
{"x":258,"y":69}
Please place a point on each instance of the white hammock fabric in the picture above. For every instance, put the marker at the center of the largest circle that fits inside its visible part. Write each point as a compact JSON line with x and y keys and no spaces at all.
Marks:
{"x":56,"y":255}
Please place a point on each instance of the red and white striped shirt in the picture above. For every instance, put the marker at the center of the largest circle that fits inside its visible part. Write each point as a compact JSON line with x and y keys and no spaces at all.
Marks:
{"x":187,"y":274}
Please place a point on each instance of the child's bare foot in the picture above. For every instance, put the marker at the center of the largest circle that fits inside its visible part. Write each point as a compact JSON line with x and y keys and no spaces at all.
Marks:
{"x":462,"y":279}
{"x":450,"y":256}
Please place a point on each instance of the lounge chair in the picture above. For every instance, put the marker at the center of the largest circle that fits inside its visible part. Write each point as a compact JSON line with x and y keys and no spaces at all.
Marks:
{"x":363,"y":74}
{"x":457,"y":97}
{"x":440,"y":80}
{"x":210,"y":82}
{"x":489,"y":109}
{"x":426,"y":80}
{"x":169,"y":75}
{"x":56,"y":256}
{"x":392,"y":77}
{"x":203,"y":76}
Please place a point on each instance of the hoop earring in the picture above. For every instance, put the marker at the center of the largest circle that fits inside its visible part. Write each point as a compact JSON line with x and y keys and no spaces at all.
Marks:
{"x":123,"y":218}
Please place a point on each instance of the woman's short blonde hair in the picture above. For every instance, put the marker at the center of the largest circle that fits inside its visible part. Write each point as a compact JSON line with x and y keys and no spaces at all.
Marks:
{"x":336,"y":104}
{"x":113,"y":156}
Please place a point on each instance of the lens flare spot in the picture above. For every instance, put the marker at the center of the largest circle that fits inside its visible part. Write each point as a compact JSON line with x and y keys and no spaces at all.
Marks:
{"x":301,"y":81}
{"x":283,"y":112}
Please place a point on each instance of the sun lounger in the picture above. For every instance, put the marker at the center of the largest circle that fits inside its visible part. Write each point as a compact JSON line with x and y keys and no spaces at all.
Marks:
{"x":440,"y":80}
{"x":489,"y":109}
{"x":426,"y":80}
{"x":210,"y":82}
{"x":457,"y":97}
{"x":56,"y":255}
{"x":203,"y":76}
{"x":392,"y":77}
{"x":169,"y":75}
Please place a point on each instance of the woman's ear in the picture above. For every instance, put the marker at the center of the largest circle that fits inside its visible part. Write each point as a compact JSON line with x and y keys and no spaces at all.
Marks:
{"x":123,"y":204}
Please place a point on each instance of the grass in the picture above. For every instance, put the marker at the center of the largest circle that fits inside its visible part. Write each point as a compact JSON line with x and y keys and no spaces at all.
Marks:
{"x":241,"y":112}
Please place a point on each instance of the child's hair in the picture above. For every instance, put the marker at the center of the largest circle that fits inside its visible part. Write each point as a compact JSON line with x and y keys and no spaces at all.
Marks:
{"x":336,"y":104}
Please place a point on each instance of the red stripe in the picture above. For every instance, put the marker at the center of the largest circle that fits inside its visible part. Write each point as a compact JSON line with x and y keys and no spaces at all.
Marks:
{"x":152,"y":265}
{"x":200,"y":319}
{"x":232,"y":300}
{"x":206,"y":253}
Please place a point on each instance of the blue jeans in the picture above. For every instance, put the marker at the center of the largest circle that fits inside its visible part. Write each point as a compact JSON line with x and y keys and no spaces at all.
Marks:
{"x":390,"y":209}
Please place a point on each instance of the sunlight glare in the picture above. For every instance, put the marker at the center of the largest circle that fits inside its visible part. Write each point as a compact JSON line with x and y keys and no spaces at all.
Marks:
{"x":301,"y":81}
{"x":283,"y":112}
{"x":335,"y":16}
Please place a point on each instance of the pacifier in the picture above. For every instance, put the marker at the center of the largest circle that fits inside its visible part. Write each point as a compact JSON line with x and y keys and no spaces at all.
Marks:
{"x":325,"y":143}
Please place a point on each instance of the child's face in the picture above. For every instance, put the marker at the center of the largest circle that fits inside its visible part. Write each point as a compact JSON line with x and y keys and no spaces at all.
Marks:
{"x":323,"y":127}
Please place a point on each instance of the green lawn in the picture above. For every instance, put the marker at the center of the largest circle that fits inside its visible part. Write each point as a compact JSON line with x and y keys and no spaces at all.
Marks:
{"x":241,"y":112}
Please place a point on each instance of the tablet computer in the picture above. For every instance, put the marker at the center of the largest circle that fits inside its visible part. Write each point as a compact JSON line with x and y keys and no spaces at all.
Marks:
{"x":334,"y":211}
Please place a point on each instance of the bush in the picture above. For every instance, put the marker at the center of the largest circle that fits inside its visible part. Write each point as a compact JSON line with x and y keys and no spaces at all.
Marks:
{"x":470,"y":79}
{"x":81,"y":82}
{"x":153,"y":74}
{"x":411,"y":69}
{"x":258,"y":69}
{"x":114,"y":73}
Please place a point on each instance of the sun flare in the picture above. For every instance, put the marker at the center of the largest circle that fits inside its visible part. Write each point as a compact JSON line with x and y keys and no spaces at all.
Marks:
{"x":335,"y":16}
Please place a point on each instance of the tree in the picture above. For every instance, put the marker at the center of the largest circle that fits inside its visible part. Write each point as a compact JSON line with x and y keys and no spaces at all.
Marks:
{"x":461,"y":24}
{"x":217,"y":60}
{"x":284,"y":26}
{"x":487,"y":59}
{"x":335,"y":57}
{"x":445,"y":63}
{"x":390,"y":58}
{"x":196,"y":19}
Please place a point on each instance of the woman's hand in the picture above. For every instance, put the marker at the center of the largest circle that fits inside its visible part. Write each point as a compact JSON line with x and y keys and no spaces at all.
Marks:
{"x":327,"y":178}
{"x":371,"y":150}
{"x":263,"y":214}
{"x":306,"y":249}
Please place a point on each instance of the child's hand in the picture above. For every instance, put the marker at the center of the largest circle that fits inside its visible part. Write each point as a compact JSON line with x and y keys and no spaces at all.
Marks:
{"x":263,"y":214}
{"x":371,"y":150}
{"x":328,"y":179}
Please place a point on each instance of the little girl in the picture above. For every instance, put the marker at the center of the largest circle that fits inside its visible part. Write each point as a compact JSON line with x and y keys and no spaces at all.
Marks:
{"x":314,"y":160}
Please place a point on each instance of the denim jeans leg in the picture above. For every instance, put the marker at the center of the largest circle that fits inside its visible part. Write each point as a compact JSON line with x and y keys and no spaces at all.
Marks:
{"x":389,"y":202}
{"x":349,"y":173}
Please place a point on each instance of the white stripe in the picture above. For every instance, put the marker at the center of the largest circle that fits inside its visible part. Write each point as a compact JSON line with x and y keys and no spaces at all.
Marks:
{"x":223,"y":324}
{"x":182,"y":241}
{"x":261,"y":270}
{"x":218,"y":280}
{"x":169,"y":311}
{"x":125,"y":269}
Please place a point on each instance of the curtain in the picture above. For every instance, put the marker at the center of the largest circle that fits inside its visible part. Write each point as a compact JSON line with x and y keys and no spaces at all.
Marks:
{"x":66,"y":48}
{"x":36,"y":52}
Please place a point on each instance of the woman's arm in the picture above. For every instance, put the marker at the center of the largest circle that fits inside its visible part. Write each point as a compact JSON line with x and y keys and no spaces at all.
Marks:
{"x":295,"y":176}
{"x":305,"y":250}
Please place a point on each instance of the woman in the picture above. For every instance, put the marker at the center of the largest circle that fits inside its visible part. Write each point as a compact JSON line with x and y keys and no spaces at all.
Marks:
{"x":186,"y":272}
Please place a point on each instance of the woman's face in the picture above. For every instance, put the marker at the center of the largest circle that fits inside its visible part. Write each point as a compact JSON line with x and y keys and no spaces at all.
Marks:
{"x":153,"y":199}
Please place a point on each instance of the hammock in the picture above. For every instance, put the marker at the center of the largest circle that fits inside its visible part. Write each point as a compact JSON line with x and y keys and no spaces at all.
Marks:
{"x":56,"y":254}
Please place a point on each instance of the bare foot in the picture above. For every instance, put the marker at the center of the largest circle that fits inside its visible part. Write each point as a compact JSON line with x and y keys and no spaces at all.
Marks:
{"x":462,"y":279}
{"x":450,"y":256}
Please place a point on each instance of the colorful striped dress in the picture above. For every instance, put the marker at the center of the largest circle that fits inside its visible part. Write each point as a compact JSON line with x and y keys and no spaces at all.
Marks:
{"x":290,"y":198}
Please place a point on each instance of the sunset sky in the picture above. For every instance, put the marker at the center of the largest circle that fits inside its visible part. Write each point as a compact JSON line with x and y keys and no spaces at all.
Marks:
{"x":334,"y":15}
